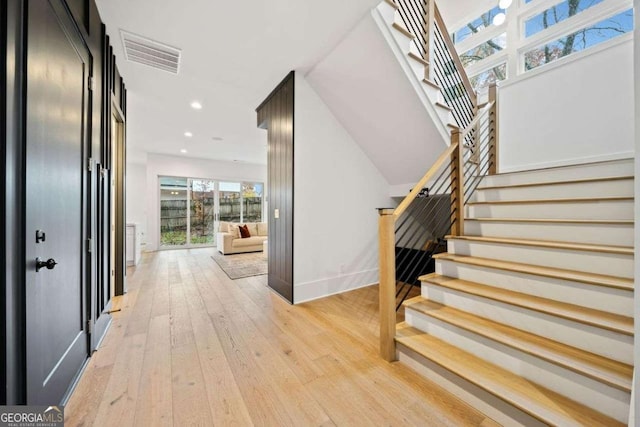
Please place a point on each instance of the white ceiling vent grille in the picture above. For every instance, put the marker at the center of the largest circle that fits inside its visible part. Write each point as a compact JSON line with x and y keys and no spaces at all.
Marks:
{"x":151,"y":53}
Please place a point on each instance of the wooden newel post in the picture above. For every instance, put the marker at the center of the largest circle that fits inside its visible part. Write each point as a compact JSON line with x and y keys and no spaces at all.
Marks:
{"x":493,"y":131}
{"x":387,"y":287}
{"x":457,"y":184}
{"x":430,"y":33}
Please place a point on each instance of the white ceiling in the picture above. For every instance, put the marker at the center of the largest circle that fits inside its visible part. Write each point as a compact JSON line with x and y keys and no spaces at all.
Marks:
{"x":233,"y":54}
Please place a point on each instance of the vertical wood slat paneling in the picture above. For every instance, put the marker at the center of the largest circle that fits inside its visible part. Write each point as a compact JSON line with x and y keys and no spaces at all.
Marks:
{"x":276,"y":114}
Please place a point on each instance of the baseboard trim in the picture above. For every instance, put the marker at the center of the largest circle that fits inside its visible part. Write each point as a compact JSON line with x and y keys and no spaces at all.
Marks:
{"x":308,"y":291}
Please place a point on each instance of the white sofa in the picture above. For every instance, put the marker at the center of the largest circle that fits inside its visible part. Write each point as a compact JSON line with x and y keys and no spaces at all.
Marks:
{"x":229,"y":241}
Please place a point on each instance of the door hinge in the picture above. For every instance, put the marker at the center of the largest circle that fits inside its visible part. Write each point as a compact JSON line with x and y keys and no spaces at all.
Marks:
{"x":89,"y":245}
{"x":89,"y":327}
{"x":90,"y":164}
{"x":92,"y":83}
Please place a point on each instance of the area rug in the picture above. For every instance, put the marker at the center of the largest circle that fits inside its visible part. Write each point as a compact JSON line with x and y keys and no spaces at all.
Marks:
{"x":238,"y":266}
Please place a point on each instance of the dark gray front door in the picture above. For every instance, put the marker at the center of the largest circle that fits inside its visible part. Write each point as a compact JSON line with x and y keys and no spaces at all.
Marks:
{"x":57,"y":71}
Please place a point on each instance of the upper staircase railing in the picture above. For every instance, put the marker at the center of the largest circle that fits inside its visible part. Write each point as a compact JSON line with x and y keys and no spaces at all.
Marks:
{"x":433,"y":43}
{"x":411,"y":233}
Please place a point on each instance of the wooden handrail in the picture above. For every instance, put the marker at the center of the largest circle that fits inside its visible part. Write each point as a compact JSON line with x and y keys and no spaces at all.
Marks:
{"x":444,"y":157}
{"x":476,"y":119}
{"x":454,"y":54}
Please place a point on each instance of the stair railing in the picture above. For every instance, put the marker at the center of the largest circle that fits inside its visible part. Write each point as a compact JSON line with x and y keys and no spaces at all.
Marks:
{"x":413,"y":232}
{"x":432,"y":42}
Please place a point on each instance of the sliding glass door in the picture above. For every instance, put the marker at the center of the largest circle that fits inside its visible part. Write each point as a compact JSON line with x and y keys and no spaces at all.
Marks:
{"x":202,"y":212}
{"x":191,"y":209}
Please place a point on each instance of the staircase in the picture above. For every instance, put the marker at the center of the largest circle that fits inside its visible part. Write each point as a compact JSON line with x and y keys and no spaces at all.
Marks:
{"x":529,"y":315}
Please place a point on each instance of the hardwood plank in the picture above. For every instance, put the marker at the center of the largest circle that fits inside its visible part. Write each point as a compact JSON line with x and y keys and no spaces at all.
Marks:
{"x":155,"y":398}
{"x":556,"y":273}
{"x":620,"y":250}
{"x":611,"y":372}
{"x":543,"y":404}
{"x":318,"y":362}
{"x":587,"y":316}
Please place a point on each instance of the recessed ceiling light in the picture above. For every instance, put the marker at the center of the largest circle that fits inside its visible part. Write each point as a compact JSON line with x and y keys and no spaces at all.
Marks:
{"x":503,"y":4}
{"x":183,"y":151}
{"x":217,"y":138}
{"x":188,"y":134}
{"x":499,"y":19}
{"x":196,"y":105}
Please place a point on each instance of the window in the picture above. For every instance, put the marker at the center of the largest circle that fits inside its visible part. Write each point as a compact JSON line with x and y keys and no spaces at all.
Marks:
{"x":252,"y":201}
{"x":555,"y":14}
{"x":580,"y":40}
{"x":484,"y":50}
{"x":492,"y":75}
{"x":537,"y":32}
{"x":475,"y":26}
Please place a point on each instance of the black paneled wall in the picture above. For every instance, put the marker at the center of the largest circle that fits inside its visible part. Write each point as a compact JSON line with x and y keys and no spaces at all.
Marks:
{"x":275,"y":114}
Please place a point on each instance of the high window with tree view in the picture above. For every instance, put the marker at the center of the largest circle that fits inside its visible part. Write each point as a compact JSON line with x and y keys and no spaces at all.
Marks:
{"x":503,"y":43}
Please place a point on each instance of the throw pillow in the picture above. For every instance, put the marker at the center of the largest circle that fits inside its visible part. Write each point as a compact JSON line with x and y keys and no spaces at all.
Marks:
{"x":234,"y":230}
{"x":244,"y":231}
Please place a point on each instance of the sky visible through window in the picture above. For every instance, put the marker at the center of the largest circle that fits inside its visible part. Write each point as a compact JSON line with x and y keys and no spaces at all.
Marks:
{"x":475,"y":26}
{"x":555,"y":14}
{"x":580,"y":40}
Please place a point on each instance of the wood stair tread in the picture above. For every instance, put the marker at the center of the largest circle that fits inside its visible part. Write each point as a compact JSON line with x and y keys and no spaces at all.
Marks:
{"x":539,"y":402}
{"x":621,"y":250}
{"x":556,"y":220}
{"x":559,"y":200}
{"x":392,"y":4}
{"x":431,"y":83}
{"x":419,"y":59}
{"x":441,"y":105}
{"x":587,"y":316}
{"x":607,"y":371}
{"x":552,"y":272}
{"x":403,"y":30}
{"x":572,"y":181}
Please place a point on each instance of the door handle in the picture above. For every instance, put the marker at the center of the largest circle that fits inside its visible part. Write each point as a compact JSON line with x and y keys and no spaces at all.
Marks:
{"x":48,"y":264}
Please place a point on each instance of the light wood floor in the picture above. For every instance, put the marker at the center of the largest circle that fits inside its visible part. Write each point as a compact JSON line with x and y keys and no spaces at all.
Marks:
{"x":193,"y":348}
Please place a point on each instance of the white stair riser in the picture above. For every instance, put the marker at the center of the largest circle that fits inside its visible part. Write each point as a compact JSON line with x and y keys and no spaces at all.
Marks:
{"x":615,"y":209}
{"x":444,"y":114}
{"x":585,"y":261}
{"x":497,"y":409}
{"x":600,"y":341}
{"x":401,"y":39}
{"x":615,"y":188}
{"x":585,"y":171}
{"x":388,"y":12}
{"x":608,"y":400}
{"x":610,"y":300}
{"x":603,"y":234}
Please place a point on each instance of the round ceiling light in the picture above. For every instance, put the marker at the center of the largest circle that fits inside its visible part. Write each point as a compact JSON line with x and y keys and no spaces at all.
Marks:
{"x":196,"y":105}
{"x":188,"y":134}
{"x":499,"y":19}
{"x":503,"y":4}
{"x":183,"y":151}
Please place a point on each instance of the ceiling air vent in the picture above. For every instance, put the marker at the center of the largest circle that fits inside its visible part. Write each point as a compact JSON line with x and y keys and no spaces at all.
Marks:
{"x":151,"y":53}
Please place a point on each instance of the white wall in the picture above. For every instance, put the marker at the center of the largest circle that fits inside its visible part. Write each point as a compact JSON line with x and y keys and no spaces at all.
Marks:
{"x":162,"y":165}
{"x":337,"y":189}
{"x":577,"y":112}
{"x":136,"y":182}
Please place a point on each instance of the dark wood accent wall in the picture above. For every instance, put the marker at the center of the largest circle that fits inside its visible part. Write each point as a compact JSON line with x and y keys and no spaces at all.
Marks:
{"x":276,"y":115}
{"x":109,"y":89}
